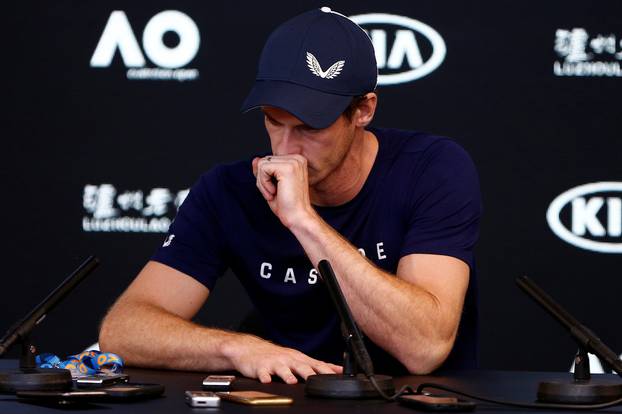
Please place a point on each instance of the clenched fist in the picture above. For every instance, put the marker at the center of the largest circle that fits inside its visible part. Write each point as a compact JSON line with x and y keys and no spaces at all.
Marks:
{"x":284,"y":183}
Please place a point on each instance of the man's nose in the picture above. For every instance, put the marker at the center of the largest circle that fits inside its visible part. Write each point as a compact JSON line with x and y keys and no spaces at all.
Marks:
{"x":289,"y":143}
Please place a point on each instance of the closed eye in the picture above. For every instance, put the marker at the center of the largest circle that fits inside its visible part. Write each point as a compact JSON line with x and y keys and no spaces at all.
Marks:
{"x":271,"y":120}
{"x":307,"y":128}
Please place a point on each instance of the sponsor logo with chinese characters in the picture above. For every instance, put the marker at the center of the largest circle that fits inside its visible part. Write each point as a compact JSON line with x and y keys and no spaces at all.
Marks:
{"x":134,"y":211}
{"x":589,"y":217}
{"x":406,"y":49}
{"x":169,"y":60}
{"x":580,"y":53}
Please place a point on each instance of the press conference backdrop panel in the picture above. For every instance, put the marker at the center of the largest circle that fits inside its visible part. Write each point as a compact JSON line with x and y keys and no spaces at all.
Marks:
{"x":113,"y":109}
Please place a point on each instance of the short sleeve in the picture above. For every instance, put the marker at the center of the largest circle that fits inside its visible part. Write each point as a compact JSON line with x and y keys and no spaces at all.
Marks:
{"x":195,"y":243}
{"x":445,"y":207}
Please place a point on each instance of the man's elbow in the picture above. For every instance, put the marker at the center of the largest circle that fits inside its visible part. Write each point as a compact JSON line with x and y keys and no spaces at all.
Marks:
{"x":429,"y":359}
{"x":110,"y":333}
{"x":106,"y":335}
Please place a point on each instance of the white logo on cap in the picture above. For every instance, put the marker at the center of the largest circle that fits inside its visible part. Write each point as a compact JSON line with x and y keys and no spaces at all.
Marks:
{"x":316,"y":69}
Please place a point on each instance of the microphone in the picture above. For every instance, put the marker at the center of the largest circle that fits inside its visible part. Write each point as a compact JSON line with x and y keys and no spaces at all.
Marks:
{"x":350,"y":331}
{"x":582,"y":389}
{"x":29,"y":377}
{"x":350,"y":384}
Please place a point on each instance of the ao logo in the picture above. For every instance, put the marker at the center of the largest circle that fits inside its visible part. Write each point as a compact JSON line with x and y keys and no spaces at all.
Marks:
{"x":118,"y":34}
{"x":405,"y":46}
{"x":585,"y":204}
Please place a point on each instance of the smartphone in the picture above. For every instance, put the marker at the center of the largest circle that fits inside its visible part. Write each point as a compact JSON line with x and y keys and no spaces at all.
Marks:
{"x":218,"y":382}
{"x":110,"y":393}
{"x":436,"y":403}
{"x":202,"y":399}
{"x":100,"y":380}
{"x":62,"y":397}
{"x":255,"y":398}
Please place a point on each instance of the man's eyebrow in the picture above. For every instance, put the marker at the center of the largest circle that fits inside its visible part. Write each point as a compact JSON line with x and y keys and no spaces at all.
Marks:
{"x":307,"y":127}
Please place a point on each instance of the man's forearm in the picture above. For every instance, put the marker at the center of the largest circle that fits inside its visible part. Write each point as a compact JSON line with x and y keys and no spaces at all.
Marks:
{"x":397,"y":315}
{"x":145,"y":335}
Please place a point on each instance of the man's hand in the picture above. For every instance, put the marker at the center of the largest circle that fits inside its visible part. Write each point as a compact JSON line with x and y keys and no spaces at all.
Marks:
{"x":254,"y":357}
{"x":284,"y":183}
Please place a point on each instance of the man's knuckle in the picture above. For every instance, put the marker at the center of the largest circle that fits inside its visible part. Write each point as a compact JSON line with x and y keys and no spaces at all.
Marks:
{"x":283,"y":369}
{"x":306,"y":368}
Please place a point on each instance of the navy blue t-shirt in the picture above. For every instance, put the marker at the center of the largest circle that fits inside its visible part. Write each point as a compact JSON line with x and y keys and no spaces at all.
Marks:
{"x":421,"y":196}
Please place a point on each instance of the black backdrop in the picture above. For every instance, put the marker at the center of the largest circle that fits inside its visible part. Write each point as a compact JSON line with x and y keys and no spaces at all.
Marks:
{"x":82,"y":141}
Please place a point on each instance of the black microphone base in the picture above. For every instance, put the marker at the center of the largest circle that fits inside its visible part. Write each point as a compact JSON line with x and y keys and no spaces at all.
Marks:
{"x":347,"y":386}
{"x":594,"y":391}
{"x":48,"y":379}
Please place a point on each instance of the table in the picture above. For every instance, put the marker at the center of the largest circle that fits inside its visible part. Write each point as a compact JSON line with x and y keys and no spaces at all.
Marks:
{"x":511,"y":385}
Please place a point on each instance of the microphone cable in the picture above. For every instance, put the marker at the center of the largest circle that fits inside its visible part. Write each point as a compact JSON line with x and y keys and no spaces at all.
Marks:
{"x":409,"y":389}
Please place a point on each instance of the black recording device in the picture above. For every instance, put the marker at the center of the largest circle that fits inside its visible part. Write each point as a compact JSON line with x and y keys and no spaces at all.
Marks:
{"x":352,"y":383}
{"x":100,"y":380}
{"x":29,"y":377}
{"x":581,"y":389}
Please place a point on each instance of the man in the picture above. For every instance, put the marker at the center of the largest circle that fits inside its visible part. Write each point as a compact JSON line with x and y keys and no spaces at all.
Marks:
{"x":396,"y":213}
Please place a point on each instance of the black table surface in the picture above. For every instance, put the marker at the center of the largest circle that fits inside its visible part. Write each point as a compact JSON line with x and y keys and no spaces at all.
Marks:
{"x":508,"y":385}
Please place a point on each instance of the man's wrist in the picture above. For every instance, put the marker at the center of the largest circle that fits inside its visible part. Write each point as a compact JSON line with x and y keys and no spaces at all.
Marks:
{"x":305,"y":224}
{"x":231,"y":346}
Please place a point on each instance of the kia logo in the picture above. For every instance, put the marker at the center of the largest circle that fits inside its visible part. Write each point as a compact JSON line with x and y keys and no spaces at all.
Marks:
{"x":595,"y":212}
{"x":408,"y":36}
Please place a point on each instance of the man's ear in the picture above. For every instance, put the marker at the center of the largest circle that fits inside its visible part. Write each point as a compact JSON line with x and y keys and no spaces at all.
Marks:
{"x":365,"y":111}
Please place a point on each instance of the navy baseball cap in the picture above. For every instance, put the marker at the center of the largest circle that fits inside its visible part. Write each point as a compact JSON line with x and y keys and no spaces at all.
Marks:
{"x":312,"y":66}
